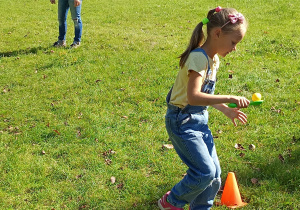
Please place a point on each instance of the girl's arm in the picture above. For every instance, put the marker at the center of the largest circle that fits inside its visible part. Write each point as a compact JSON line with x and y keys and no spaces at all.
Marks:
{"x":197,"y":98}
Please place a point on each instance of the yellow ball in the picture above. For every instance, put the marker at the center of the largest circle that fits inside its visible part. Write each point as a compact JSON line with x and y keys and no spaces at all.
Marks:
{"x":256,"y":97}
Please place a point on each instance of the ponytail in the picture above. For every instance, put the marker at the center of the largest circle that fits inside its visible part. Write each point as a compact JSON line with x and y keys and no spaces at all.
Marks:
{"x":195,"y":41}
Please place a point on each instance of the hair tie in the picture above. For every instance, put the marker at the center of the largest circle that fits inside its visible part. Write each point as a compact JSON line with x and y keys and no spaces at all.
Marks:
{"x":218,"y":9}
{"x":205,"y":21}
{"x":235,"y":18}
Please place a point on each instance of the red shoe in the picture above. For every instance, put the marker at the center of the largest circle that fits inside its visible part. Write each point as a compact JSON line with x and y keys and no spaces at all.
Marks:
{"x":164,"y":205}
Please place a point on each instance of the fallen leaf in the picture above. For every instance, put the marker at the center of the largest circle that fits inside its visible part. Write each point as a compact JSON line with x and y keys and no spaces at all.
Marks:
{"x":80,"y":115}
{"x":242,"y":155}
{"x":276,"y":110}
{"x":252,"y":147}
{"x":125,"y":117}
{"x":254,"y":181}
{"x":78,"y":133}
{"x":230,"y":76}
{"x":43,"y":152}
{"x":112,"y":179}
{"x":289,"y":152}
{"x":6,"y":90}
{"x":277,"y":80}
{"x":120,"y":186}
{"x":111,"y":151}
{"x":83,"y":206}
{"x":108,"y":161}
{"x":239,"y":146}
{"x":168,"y":146}
{"x":281,"y":158}
{"x":78,"y":176}
{"x":56,"y":131}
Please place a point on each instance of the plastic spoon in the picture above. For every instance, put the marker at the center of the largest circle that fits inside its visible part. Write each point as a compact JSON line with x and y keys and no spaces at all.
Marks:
{"x":253,"y":103}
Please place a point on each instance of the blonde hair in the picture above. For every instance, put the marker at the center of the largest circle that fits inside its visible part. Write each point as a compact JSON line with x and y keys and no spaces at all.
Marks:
{"x":216,"y":19}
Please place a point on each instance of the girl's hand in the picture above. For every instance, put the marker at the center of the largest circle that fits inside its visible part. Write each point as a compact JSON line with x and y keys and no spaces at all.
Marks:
{"x":77,"y":3}
{"x":52,"y":1}
{"x":241,"y":102}
{"x":235,"y":113}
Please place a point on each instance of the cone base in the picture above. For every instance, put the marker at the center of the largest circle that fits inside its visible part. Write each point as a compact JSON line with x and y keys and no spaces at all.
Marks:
{"x":237,"y":206}
{"x":231,"y":207}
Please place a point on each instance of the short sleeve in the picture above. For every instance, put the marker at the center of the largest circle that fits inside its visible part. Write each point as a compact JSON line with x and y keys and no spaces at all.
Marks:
{"x":197,"y":61}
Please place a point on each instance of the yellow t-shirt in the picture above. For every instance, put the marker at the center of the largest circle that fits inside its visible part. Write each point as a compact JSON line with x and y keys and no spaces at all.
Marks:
{"x":196,"y":61}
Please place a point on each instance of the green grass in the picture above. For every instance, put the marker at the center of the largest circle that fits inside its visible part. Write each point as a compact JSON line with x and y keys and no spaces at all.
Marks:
{"x":63,"y":110}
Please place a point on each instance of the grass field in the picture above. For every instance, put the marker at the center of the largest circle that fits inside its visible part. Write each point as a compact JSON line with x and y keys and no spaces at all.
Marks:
{"x":71,"y":119}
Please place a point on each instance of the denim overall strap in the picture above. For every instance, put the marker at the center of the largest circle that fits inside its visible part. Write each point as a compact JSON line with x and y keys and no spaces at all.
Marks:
{"x":208,"y":85}
{"x":203,"y":51}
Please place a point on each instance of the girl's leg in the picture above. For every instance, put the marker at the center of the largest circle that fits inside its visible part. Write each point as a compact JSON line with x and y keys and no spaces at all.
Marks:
{"x":192,"y":147}
{"x":76,"y":16}
{"x":205,"y":199}
{"x":63,"y":7}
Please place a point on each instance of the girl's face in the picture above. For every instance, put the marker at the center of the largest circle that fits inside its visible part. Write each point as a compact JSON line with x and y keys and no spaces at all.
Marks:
{"x":227,"y":41}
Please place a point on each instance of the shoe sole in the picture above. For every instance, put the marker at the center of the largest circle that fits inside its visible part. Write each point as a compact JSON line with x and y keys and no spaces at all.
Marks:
{"x":159,"y":205}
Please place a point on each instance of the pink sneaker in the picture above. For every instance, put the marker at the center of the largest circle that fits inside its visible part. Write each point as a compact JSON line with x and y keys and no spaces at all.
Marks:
{"x":164,"y":205}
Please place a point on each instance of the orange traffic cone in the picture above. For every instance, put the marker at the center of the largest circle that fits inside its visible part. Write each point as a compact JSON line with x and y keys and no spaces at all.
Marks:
{"x":231,"y":196}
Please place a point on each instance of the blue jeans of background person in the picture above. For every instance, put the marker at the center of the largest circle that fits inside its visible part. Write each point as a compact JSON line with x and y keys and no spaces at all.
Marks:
{"x":63,"y":8}
{"x":193,"y":141}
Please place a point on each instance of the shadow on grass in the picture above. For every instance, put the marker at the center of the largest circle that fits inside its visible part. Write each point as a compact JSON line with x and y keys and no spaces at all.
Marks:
{"x":283,"y":170}
{"x":26,"y":51}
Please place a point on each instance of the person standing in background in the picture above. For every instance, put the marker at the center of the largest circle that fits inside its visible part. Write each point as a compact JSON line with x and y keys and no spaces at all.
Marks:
{"x":63,"y":8}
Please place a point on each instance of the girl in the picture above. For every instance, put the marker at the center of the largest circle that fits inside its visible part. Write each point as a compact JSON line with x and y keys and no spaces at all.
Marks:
{"x":187,"y":115}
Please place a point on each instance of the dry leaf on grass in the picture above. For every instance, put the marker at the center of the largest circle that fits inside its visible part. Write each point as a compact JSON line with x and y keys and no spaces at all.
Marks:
{"x":239,"y":146}
{"x":168,"y":146}
{"x":112,"y":179}
{"x":281,"y":158}
{"x":252,"y":147}
{"x":254,"y":181}
{"x":56,"y":131}
{"x":242,"y":155}
{"x":108,"y":161}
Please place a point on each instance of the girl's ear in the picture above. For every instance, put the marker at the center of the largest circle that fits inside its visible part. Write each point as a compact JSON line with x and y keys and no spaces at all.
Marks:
{"x":217,"y":32}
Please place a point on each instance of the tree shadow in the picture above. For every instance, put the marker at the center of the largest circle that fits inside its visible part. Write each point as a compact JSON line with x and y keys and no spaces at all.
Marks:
{"x":26,"y":51}
{"x":283,"y":169}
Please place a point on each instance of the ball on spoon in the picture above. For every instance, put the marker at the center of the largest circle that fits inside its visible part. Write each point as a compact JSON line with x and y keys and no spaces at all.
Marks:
{"x":256,"y":97}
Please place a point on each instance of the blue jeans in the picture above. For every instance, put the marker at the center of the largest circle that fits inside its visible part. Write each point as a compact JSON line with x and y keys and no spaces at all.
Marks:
{"x":63,"y":8}
{"x":193,"y":141}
